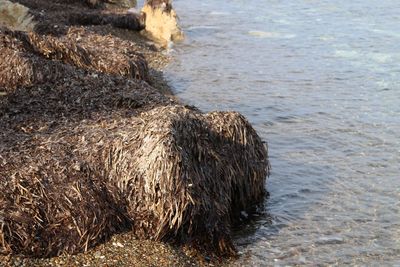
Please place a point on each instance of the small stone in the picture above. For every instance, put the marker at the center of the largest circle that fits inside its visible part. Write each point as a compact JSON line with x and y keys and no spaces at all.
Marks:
{"x":244,"y":214}
{"x":117,"y":244}
{"x":17,"y":262}
{"x":97,"y":254}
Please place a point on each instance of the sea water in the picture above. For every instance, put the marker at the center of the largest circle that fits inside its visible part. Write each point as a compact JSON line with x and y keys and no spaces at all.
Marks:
{"x":320,"y":81}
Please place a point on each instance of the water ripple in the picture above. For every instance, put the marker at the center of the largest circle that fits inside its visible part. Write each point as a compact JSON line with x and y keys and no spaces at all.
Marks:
{"x":320,"y":82}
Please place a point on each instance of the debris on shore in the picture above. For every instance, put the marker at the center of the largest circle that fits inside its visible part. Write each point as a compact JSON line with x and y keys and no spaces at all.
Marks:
{"x":89,"y":148}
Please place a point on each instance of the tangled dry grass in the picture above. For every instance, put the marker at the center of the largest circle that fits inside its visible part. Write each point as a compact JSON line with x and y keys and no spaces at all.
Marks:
{"x":58,"y":16}
{"x":89,"y":149}
{"x":22,"y":66}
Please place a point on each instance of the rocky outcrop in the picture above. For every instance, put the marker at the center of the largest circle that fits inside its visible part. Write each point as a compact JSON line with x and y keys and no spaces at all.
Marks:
{"x":161,"y":22}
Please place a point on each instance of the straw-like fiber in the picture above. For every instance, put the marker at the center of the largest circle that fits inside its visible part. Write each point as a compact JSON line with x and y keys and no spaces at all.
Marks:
{"x":89,"y":149}
{"x":92,"y":52}
{"x":195,"y":166}
{"x":171,"y":173}
{"x":57,"y":17}
{"x":97,"y":53}
{"x":166,"y":4}
{"x":125,"y":21}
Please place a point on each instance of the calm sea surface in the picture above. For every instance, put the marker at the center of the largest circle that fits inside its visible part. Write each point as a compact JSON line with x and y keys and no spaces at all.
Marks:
{"x":320,"y":81}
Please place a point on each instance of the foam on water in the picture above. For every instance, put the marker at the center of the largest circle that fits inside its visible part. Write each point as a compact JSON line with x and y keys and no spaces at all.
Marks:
{"x":347,"y":54}
{"x":263,"y":34}
{"x":219,"y":13}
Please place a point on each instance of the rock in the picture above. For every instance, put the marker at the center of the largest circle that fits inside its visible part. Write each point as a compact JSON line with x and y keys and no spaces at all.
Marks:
{"x":15,"y":16}
{"x":117,"y":244}
{"x":161,"y":22}
{"x":97,"y":255}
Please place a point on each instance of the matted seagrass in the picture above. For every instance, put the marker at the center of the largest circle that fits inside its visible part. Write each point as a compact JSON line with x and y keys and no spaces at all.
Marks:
{"x":89,"y":149}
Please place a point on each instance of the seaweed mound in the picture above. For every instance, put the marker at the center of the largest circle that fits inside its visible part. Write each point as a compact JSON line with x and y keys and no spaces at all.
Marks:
{"x":56,"y":17}
{"x":169,"y":174}
{"x":89,"y":149}
{"x":25,"y":56}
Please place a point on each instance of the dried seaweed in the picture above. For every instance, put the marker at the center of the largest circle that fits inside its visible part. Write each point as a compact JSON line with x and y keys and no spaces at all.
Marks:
{"x":87,"y":151}
{"x":57,"y":17}
{"x":159,"y":174}
{"x":165,"y":4}
{"x":79,"y":48}
{"x":125,"y":21}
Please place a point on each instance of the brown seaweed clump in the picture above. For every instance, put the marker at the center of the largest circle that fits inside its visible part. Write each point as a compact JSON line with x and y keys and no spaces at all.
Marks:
{"x":79,"y":48}
{"x":89,"y":149}
{"x":169,"y":174}
{"x":56,"y":17}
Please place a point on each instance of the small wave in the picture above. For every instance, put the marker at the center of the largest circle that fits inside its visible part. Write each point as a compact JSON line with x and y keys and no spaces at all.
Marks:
{"x":380,"y":57}
{"x":282,"y":21}
{"x":327,"y":38}
{"x":386,"y":32}
{"x":203,"y":27}
{"x":288,"y":119}
{"x":347,"y":54}
{"x":263,"y":34}
{"x":219,"y":13}
{"x":374,"y":56}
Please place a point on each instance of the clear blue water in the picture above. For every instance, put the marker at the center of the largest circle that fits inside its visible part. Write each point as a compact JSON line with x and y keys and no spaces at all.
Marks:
{"x":320,"y":81}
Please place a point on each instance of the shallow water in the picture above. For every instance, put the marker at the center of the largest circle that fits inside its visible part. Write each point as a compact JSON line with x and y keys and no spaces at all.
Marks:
{"x":320,"y":81}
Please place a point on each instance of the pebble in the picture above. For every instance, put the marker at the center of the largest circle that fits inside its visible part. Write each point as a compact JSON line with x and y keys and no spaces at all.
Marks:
{"x":117,"y":244}
{"x":97,"y":254}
